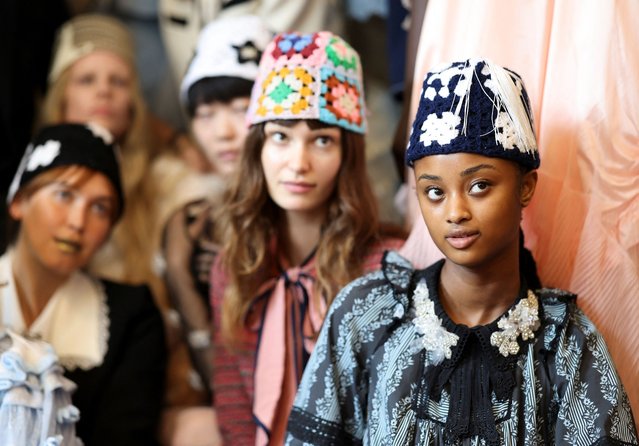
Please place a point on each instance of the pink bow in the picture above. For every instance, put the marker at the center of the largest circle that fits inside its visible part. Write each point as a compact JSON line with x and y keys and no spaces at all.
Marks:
{"x":287,"y":317}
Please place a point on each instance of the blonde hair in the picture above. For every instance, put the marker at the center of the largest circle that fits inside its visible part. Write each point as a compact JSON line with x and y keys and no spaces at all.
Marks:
{"x":131,"y":235}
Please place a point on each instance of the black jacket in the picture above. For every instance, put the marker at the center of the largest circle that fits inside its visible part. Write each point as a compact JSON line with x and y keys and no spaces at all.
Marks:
{"x":120,"y":401}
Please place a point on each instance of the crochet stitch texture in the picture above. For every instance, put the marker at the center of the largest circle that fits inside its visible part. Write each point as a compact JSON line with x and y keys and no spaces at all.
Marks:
{"x":310,"y":76}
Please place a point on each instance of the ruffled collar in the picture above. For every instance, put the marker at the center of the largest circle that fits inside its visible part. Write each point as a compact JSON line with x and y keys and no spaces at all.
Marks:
{"x":472,"y":363}
{"x":75,"y":321}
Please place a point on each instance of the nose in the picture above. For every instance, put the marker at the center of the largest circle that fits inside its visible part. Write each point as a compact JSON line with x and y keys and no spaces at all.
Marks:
{"x":457,"y":210}
{"x":224,"y":126}
{"x":103,"y":86}
{"x":299,"y":160}
{"x":76,"y":218}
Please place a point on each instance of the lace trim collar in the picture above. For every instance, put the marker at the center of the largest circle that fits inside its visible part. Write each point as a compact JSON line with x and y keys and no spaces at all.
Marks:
{"x":471,"y":363}
{"x":75,"y":321}
{"x":439,"y":334}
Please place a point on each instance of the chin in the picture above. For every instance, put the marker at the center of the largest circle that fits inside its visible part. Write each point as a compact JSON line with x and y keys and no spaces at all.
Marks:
{"x":465,"y":259}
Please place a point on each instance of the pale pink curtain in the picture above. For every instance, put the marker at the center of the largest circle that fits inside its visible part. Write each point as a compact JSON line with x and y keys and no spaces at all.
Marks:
{"x":580,"y":62}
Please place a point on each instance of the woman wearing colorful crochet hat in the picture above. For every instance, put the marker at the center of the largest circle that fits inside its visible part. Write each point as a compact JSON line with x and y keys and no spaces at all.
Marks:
{"x":215,"y":92}
{"x":300,"y":222}
{"x":463,"y":352}
{"x":66,"y":197}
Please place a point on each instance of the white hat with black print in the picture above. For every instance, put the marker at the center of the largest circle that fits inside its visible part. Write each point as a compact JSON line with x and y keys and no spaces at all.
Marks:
{"x":230,"y":46}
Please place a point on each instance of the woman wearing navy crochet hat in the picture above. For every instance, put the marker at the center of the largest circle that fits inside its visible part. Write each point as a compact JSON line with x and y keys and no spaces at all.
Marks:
{"x":463,"y":352}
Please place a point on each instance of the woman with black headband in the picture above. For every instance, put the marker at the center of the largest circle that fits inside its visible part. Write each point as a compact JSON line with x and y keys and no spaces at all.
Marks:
{"x":65,"y":199}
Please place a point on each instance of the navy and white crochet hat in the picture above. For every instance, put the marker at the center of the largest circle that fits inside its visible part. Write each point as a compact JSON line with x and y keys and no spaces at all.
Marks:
{"x":230,"y":46}
{"x":68,"y":145}
{"x":474,"y":106}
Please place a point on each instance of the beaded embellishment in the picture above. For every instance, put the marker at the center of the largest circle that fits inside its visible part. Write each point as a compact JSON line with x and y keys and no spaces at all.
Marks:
{"x":522,"y":320}
{"x":435,"y":338}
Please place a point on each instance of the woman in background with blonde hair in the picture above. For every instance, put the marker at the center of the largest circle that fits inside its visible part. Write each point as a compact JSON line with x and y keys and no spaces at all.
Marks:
{"x":93,"y":78}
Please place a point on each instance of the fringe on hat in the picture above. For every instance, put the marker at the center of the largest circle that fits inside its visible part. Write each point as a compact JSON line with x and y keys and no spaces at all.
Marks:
{"x":508,"y":96}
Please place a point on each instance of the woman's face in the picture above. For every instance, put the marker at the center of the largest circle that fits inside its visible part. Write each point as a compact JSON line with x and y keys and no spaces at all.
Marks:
{"x":65,"y":222}
{"x":100,"y":90}
{"x":301,"y":166}
{"x":220,"y":130}
{"x":472,"y":205}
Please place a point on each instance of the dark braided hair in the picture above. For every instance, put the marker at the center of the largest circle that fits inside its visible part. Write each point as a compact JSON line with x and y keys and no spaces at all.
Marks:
{"x":527,"y":265}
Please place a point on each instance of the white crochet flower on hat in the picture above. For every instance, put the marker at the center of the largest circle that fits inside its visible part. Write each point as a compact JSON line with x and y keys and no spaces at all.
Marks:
{"x":442,"y":130}
{"x":430,"y":93}
{"x":43,"y":155}
{"x":100,"y":132}
{"x":505,"y":131}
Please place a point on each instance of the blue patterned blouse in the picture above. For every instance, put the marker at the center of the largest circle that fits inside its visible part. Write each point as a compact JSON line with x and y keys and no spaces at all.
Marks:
{"x":391,"y":368}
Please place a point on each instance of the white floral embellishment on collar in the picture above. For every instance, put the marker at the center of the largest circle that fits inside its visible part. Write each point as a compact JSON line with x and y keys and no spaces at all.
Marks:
{"x":435,"y":339}
{"x":522,"y":320}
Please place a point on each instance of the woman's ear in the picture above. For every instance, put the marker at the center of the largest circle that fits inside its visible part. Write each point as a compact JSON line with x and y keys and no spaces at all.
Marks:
{"x":527,"y":189}
{"x":15,"y":208}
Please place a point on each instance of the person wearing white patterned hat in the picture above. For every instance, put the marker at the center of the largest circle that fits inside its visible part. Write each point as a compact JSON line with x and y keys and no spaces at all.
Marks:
{"x":217,"y":86}
{"x":215,"y":92}
{"x":466,"y":351}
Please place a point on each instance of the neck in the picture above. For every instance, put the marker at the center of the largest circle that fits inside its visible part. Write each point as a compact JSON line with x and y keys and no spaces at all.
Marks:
{"x":478,"y":296}
{"x":302,"y":235}
{"x":34,"y":284}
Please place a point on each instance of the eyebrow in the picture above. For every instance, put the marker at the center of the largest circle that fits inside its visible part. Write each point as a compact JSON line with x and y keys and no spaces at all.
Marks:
{"x":464,"y":173}
{"x":426,"y":176}
{"x":474,"y":169}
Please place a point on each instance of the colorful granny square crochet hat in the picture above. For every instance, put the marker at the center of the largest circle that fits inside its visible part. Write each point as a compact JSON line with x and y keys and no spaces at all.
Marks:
{"x":70,"y":145}
{"x":310,"y":76}
{"x":474,"y":106}
{"x":229,"y":46}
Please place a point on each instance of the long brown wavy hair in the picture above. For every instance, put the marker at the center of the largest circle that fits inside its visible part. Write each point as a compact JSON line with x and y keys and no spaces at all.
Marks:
{"x":250,"y":221}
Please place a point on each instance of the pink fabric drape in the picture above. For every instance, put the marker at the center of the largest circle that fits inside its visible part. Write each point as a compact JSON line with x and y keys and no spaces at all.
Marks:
{"x":580,"y":62}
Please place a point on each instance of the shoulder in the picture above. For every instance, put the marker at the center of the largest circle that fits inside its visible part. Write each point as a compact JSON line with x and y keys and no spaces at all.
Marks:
{"x":379,"y":293}
{"x":134,"y":320}
{"x":566,"y":326}
{"x":177,"y":184}
{"x":378,"y":249}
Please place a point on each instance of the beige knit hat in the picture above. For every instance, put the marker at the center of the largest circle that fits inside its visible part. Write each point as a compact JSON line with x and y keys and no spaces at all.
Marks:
{"x":87,"y":33}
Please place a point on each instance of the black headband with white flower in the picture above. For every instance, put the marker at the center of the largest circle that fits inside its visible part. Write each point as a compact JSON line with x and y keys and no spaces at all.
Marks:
{"x":67,"y":145}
